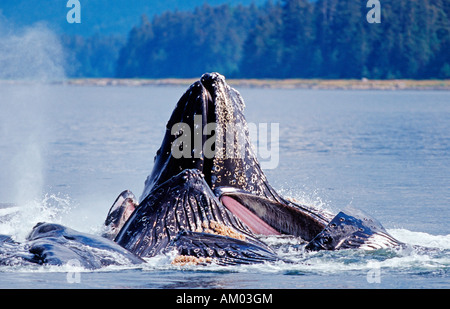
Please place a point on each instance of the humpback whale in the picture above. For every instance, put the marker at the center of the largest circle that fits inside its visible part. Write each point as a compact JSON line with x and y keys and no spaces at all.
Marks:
{"x":185,"y":195}
{"x":55,"y":244}
{"x":233,"y":172}
{"x":207,"y":199}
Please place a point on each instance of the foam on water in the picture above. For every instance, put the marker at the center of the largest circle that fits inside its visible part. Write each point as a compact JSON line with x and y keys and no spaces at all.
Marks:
{"x":421,"y":239}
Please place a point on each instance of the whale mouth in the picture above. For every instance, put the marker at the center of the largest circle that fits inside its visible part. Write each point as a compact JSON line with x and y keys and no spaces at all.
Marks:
{"x":120,"y":211}
{"x":267,"y":217}
{"x":254,"y":223}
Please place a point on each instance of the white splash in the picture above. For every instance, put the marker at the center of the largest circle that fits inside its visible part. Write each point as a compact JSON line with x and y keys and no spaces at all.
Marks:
{"x":421,"y":238}
{"x":22,"y":218}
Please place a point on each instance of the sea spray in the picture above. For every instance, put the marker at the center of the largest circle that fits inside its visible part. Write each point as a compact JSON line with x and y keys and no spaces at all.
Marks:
{"x":309,"y":197}
{"x":24,"y":136}
{"x":50,"y":208}
{"x":32,"y":55}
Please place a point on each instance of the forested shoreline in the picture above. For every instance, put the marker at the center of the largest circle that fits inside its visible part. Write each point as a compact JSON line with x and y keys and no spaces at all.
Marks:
{"x":327,"y":39}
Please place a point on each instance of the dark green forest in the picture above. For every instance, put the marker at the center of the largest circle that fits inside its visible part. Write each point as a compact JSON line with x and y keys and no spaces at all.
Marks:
{"x":286,"y":39}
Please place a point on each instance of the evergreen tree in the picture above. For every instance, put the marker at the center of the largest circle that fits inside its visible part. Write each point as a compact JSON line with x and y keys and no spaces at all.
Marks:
{"x":297,"y":38}
{"x":186,"y":44}
{"x":289,"y":39}
{"x":263,"y":49}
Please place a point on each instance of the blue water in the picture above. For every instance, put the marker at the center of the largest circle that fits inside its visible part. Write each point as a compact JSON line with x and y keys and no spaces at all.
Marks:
{"x":66,"y":152}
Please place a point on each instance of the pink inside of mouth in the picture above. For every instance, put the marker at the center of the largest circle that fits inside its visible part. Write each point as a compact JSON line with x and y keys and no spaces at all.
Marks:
{"x":257,"y":225}
{"x":130,"y":207}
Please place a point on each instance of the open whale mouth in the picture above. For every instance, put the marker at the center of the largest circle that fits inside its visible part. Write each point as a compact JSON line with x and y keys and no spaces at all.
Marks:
{"x":350,"y":228}
{"x":267,"y":217}
{"x":255,"y":223}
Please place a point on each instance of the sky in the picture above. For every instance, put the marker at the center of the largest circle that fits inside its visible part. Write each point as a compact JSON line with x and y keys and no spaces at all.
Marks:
{"x":96,"y":16}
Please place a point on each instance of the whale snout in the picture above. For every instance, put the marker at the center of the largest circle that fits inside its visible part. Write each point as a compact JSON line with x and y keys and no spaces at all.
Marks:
{"x":120,"y":211}
{"x":209,"y":80}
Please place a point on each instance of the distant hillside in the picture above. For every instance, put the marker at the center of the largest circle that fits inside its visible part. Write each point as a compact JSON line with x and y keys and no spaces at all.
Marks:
{"x":294,"y":39}
{"x":97,"y":16}
{"x":331,"y":39}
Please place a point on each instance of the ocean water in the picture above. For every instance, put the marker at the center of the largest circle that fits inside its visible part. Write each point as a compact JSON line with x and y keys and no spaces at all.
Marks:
{"x":66,"y":152}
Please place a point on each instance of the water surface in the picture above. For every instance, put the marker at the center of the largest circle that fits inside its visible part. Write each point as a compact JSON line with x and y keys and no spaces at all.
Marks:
{"x":66,"y":152}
